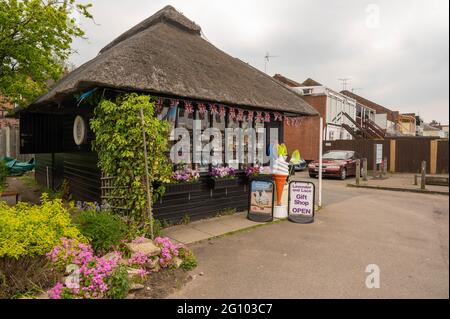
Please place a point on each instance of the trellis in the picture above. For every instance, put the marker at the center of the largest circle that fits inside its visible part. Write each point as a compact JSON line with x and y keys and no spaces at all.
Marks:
{"x":107,"y":187}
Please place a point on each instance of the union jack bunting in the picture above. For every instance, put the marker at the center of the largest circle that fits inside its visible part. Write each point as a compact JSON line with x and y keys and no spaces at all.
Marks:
{"x":188,"y":107}
{"x":278,"y":117}
{"x":222,"y":111}
{"x":159,"y":104}
{"x":213,"y":109}
{"x":173,"y":102}
{"x":258,"y":117}
{"x":267,"y":117}
{"x":232,"y":113}
{"x":250,"y":116}
{"x":202,"y":108}
{"x":240,"y":115}
{"x":287,"y":121}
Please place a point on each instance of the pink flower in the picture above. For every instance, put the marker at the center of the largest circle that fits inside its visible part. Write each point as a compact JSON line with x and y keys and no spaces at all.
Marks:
{"x":55,"y":292}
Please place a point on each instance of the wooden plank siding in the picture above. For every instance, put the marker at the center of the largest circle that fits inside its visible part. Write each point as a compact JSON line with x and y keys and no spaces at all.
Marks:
{"x":81,"y":171}
{"x":410,"y":153}
{"x":442,"y":157}
{"x":365,"y":148}
{"x":404,"y":154}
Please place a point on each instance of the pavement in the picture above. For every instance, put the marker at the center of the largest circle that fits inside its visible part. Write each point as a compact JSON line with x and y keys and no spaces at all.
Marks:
{"x":405,"y":234}
{"x":402,"y":182}
{"x":209,"y":228}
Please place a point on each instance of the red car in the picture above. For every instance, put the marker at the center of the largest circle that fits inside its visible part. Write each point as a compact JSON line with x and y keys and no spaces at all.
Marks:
{"x":335,"y":163}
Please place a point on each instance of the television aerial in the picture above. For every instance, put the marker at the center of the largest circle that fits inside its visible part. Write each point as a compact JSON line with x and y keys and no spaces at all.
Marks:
{"x":267,"y":60}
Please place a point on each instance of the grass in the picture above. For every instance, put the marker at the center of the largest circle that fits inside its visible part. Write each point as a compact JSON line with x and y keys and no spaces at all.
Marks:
{"x":29,"y":180}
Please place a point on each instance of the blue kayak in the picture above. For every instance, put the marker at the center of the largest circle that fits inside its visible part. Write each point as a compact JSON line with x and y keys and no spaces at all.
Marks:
{"x":16,"y":168}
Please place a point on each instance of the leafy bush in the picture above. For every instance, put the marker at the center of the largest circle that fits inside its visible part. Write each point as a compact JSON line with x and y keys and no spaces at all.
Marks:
{"x":104,"y":230}
{"x":116,"y":123}
{"x":3,"y":173}
{"x":189,"y":260}
{"x":33,"y":230}
{"x":119,"y":283}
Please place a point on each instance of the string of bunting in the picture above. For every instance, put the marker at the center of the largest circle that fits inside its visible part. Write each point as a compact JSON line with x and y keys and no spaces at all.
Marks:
{"x":234,"y":113}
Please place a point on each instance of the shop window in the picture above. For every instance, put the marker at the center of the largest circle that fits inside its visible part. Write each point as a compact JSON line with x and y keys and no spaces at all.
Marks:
{"x":232,"y":144}
{"x":218,"y":122}
{"x":205,"y":124}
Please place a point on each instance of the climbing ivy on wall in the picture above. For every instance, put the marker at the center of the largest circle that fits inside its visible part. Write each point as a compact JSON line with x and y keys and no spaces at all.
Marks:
{"x":119,"y":144}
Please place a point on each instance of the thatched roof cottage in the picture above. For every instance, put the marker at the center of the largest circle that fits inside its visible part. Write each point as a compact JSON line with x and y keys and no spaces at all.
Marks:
{"x":167,"y":57}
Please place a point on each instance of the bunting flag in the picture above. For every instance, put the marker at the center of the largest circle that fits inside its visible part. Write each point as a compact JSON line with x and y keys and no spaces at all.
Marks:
{"x":213,"y":109}
{"x":159,"y":104}
{"x":222,"y":111}
{"x":235,"y":114}
{"x":250,"y":115}
{"x":188,"y":107}
{"x":240,"y":115}
{"x":232,"y":112}
{"x":259,"y":117}
{"x":277,"y":116}
{"x":287,"y":121}
{"x":202,"y":108}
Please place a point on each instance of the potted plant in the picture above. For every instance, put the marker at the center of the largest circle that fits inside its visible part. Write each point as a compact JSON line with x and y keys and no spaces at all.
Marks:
{"x":223,"y":177}
{"x":184,"y":180}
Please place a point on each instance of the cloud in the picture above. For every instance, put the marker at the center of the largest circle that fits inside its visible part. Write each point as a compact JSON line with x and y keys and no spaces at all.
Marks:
{"x":401,"y":61}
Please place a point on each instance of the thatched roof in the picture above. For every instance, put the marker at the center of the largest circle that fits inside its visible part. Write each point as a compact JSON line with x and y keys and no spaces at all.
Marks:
{"x":166,"y":54}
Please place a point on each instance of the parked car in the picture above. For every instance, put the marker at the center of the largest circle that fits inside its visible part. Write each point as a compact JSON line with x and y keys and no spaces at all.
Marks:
{"x":301,"y":166}
{"x":336,"y":163}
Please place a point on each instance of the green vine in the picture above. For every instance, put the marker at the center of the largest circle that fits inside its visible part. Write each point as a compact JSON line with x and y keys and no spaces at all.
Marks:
{"x":119,"y":144}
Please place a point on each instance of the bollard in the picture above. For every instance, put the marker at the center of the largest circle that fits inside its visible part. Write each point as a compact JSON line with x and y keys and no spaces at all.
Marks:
{"x":358,"y":171}
{"x":424,"y":176}
{"x":415,"y":179}
{"x":385,"y":165}
{"x":364,"y":170}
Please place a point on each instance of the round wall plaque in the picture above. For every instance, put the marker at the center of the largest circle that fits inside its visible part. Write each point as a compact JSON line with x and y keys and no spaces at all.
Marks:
{"x":79,"y":130}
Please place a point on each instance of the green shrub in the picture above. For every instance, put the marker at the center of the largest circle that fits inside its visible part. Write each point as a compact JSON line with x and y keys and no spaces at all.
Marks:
{"x":189,"y":260}
{"x":33,"y":230}
{"x":104,"y":230}
{"x":119,"y":283}
{"x":3,"y":173}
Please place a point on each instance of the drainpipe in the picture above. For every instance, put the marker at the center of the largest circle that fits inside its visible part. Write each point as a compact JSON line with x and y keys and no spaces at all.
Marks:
{"x":320,"y":161}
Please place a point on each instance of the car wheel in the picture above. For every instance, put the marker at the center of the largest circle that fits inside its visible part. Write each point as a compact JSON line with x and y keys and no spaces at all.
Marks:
{"x":312,"y":175}
{"x":343,"y":174}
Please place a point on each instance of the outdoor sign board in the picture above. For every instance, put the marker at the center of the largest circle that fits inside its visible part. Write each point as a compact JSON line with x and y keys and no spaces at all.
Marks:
{"x":379,"y":153}
{"x":261,"y":200}
{"x":301,"y":202}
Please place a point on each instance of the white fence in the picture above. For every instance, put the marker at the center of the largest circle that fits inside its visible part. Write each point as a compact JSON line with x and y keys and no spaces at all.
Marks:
{"x":10,"y":144}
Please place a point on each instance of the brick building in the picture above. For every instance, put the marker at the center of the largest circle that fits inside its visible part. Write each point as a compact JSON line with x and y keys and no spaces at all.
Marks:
{"x":337,"y":110}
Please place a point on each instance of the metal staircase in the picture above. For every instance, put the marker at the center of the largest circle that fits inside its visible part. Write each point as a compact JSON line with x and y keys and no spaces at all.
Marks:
{"x":369,"y":130}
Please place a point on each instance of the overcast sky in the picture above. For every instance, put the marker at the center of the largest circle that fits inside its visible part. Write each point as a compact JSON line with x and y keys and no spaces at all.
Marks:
{"x":395,"y":53}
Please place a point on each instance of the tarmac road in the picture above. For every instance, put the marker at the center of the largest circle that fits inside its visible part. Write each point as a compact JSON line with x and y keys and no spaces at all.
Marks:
{"x":405,"y":234}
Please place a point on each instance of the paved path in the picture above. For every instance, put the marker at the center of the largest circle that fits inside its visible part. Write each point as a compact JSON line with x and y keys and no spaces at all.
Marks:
{"x":405,"y":234}
{"x":403,"y":182}
{"x":209,"y":228}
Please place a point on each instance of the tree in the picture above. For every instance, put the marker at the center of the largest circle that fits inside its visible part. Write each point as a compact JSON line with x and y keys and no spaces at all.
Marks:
{"x":119,"y":143}
{"x":35,"y":40}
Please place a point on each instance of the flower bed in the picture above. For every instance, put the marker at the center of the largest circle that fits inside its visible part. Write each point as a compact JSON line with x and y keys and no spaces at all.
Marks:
{"x":112,"y":276}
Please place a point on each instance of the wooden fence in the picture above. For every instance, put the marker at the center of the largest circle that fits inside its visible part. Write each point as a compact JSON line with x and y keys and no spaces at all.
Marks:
{"x":404,"y":154}
{"x":10,"y":144}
